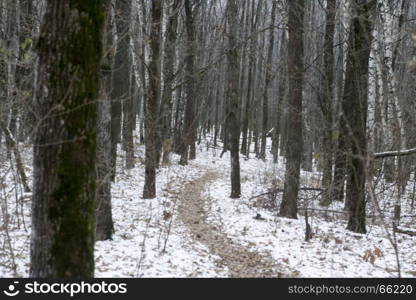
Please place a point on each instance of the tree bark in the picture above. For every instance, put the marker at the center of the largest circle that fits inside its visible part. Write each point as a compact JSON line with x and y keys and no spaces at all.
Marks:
{"x":104,"y":226}
{"x":281,"y":91}
{"x":267,"y":84}
{"x":70,"y":50}
{"x":168,"y":78}
{"x":149,"y":190}
{"x":232,"y":97}
{"x":3,"y":64}
{"x":121,"y":74}
{"x":245,"y":145}
{"x":355,"y":107}
{"x":327,"y":102}
{"x":294,"y":143}
{"x":189,"y":122}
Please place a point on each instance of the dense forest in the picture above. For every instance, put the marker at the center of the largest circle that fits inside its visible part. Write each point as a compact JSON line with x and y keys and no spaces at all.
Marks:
{"x":207,"y":138}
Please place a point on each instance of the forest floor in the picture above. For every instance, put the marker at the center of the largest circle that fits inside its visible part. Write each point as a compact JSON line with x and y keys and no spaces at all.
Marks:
{"x":193,"y":228}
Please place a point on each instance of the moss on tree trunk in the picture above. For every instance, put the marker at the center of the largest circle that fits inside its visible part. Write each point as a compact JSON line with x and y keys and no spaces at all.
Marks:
{"x":69,"y":47}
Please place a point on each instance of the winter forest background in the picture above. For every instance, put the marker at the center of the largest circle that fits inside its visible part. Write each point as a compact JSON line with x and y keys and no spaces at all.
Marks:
{"x":207,"y":138}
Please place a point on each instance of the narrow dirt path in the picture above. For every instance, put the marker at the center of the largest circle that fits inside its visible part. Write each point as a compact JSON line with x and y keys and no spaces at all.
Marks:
{"x":241,"y":261}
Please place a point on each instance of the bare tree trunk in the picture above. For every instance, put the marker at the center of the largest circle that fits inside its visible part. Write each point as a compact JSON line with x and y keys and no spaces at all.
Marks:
{"x":282,"y":80}
{"x":26,"y":63}
{"x":355,"y":107}
{"x":70,"y":50}
{"x":104,"y":227}
{"x":190,"y":120}
{"x":3,"y":64}
{"x":13,"y":53}
{"x":168,"y":78}
{"x":149,"y":190}
{"x":294,"y":143}
{"x":128,"y":118}
{"x":232,"y":97}
{"x":337,"y":189}
{"x":121,"y":74}
{"x":267,"y":84}
{"x":245,"y":145}
{"x":327,"y":102}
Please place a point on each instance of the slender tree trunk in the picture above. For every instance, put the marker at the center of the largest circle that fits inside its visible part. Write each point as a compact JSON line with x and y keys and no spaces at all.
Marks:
{"x":128,"y":117}
{"x":277,"y":132}
{"x":12,"y":148}
{"x":3,"y":65}
{"x":245,"y":145}
{"x":104,"y":227}
{"x":216,"y":121}
{"x":121,"y":74}
{"x":141,"y":54}
{"x":177,"y":132}
{"x":168,"y":78}
{"x":340,"y":168}
{"x":24,"y":75}
{"x":13,"y":53}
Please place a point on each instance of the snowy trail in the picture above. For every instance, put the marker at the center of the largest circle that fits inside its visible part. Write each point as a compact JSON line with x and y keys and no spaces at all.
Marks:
{"x":240,"y":261}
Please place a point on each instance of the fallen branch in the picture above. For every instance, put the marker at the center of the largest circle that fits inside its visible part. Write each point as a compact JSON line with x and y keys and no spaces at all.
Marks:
{"x":325,"y":210}
{"x":25,"y":196}
{"x":394,"y":153}
{"x":408,"y":232}
{"x":276,"y":190}
{"x":312,"y":189}
{"x":12,"y":145}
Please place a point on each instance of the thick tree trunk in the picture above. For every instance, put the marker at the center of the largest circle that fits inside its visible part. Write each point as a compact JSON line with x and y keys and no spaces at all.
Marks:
{"x":70,"y":47}
{"x":232,"y":97}
{"x":267,"y":84}
{"x":294,"y":143}
{"x":355,"y":106}
{"x":104,"y":227}
{"x":327,"y":102}
{"x":149,"y":190}
{"x":190,"y":120}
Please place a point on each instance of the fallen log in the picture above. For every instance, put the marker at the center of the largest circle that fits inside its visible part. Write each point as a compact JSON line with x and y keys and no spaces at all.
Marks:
{"x":394,"y":153}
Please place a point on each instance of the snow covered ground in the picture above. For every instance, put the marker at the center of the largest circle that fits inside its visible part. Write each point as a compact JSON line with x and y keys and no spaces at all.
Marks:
{"x":333,"y":251}
{"x":151,"y":240}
